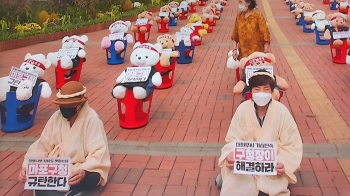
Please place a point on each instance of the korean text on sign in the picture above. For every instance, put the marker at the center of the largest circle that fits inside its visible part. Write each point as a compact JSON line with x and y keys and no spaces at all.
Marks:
{"x":71,"y":52}
{"x":182,"y":36}
{"x":17,"y":75}
{"x":258,"y":158}
{"x":249,"y":70}
{"x":141,"y":21}
{"x":340,"y":35}
{"x":47,"y":174}
{"x":116,"y":36}
{"x":136,"y":74}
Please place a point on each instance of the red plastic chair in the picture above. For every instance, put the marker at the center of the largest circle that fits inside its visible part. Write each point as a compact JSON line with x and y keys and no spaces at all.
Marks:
{"x":339,"y":54}
{"x":344,"y":11}
{"x":196,"y":33}
{"x":143,"y":37}
{"x":162,"y":26}
{"x":131,"y":111}
{"x":167,"y":74}
{"x":192,"y":8}
{"x":210,"y":25}
{"x":183,"y":14}
{"x":60,"y":74}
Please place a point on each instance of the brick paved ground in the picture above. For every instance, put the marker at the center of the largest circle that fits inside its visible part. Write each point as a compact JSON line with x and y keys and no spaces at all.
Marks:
{"x":195,"y":114}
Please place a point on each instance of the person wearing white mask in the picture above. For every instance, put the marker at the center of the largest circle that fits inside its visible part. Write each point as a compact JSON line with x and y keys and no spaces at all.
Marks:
{"x":262,"y":119}
{"x":250,"y":32}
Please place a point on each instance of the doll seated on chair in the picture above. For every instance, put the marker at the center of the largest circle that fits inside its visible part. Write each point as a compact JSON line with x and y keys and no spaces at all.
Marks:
{"x":259,"y":59}
{"x":66,"y":61}
{"x":118,"y":27}
{"x":35,"y":64}
{"x":143,"y":55}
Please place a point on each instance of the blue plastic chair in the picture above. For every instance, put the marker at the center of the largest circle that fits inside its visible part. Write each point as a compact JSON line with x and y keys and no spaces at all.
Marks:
{"x":333,"y":6}
{"x":291,"y":8}
{"x":14,"y":121}
{"x":320,"y":41}
{"x":112,"y":57}
{"x":301,"y":21}
{"x":183,"y":59}
{"x":307,"y":29}
{"x":173,"y":21}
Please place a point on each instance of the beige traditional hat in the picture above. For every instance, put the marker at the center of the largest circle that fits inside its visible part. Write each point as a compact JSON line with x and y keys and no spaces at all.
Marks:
{"x":71,"y":93}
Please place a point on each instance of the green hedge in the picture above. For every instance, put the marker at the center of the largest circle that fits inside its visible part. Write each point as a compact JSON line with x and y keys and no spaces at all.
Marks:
{"x":70,"y":16}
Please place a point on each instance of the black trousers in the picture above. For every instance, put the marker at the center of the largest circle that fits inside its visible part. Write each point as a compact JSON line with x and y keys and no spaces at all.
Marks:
{"x":90,"y":182}
{"x":262,"y":194}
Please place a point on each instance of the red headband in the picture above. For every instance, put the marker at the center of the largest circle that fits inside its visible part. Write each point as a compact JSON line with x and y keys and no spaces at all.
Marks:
{"x":122,"y":23}
{"x":36,"y":63}
{"x":335,"y":17}
{"x":146,"y":47}
{"x":316,"y":13}
{"x":257,"y":59}
{"x":167,"y":37}
{"x":74,"y":40}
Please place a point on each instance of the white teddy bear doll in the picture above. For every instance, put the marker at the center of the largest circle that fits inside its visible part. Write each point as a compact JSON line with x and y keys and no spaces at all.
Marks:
{"x":36,"y":64}
{"x":319,"y":20}
{"x":187,"y":30}
{"x":67,"y":62}
{"x":143,"y":55}
{"x":118,"y":27}
{"x":184,"y":5}
{"x":231,"y":62}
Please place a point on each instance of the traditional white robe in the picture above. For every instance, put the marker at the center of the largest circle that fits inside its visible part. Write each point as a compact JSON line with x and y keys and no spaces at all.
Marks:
{"x":85,"y":142}
{"x":278,"y":126}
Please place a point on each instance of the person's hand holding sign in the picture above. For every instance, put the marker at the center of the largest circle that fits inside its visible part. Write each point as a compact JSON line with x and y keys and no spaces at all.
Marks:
{"x":280,"y":169}
{"x":76,"y":177}
{"x":22,"y":177}
{"x":230,"y":161}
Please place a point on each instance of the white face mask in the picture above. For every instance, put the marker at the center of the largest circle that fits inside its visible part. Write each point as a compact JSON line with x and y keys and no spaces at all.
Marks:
{"x":261,"y":99}
{"x":242,"y":7}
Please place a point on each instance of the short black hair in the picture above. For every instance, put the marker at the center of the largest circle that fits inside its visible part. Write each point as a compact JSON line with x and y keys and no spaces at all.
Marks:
{"x":261,"y":80}
{"x":252,"y":4}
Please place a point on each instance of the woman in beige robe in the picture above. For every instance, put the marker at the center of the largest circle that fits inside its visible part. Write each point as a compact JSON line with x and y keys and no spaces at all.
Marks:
{"x":80,"y":136}
{"x":278,"y":126}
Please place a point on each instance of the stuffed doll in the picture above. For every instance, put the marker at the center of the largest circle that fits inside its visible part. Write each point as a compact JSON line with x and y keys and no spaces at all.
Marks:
{"x":232,"y":63}
{"x":166,"y":14}
{"x":337,"y":24}
{"x":298,"y":11}
{"x":143,"y":28}
{"x":260,"y":59}
{"x":118,"y":27}
{"x":308,"y":9}
{"x":223,"y":2}
{"x":217,"y":4}
{"x":168,"y":42}
{"x":319,"y":20}
{"x":196,"y":20}
{"x":192,"y":2}
{"x":188,"y":30}
{"x":35,"y":64}
{"x":184,"y":6}
{"x":143,"y":55}
{"x":66,"y":61}
{"x":208,"y":14}
{"x":342,"y":5}
{"x":295,"y":3}
{"x":174,"y":7}
{"x":215,"y":9}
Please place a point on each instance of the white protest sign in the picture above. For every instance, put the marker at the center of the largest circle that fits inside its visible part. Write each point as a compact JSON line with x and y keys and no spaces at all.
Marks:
{"x":47,"y":174}
{"x":71,"y":52}
{"x":340,"y":35}
{"x":17,"y":75}
{"x":257,"y":158}
{"x":322,"y":22}
{"x":136,"y":74}
{"x":166,"y":51}
{"x":199,"y":23}
{"x":142,"y":21}
{"x":163,"y":14}
{"x":116,"y":36}
{"x":249,"y":70}
{"x":343,"y":4}
{"x":308,"y":14}
{"x":173,"y":10}
{"x":182,"y":36}
{"x":207,"y":15}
